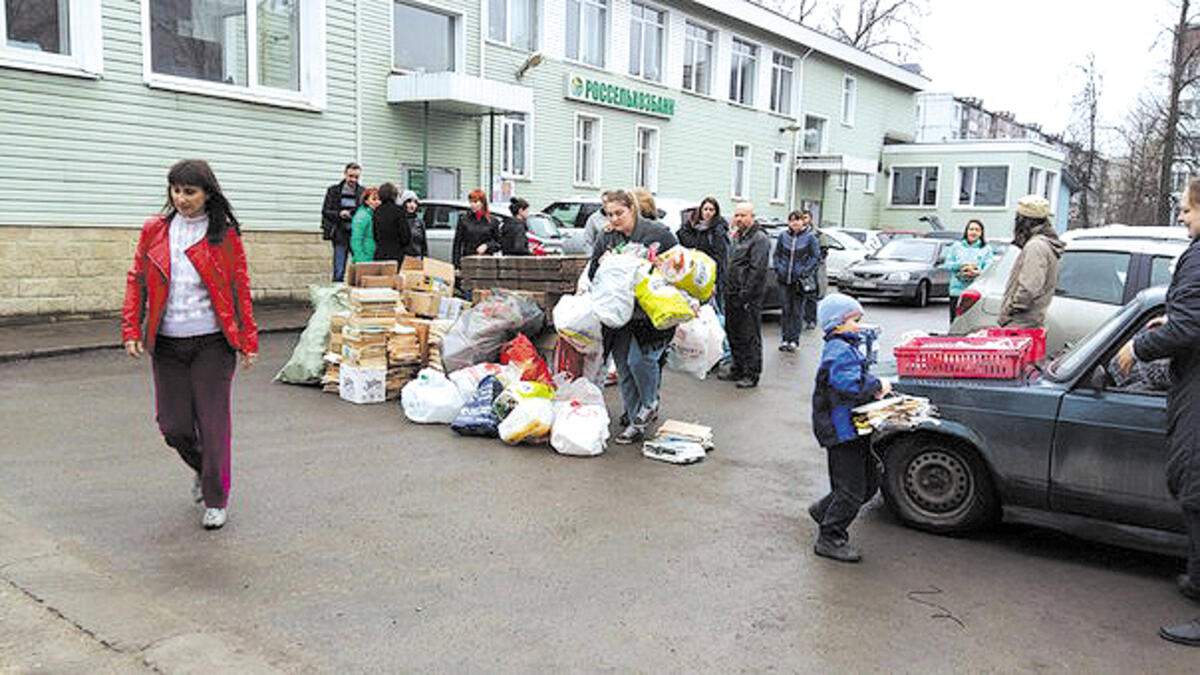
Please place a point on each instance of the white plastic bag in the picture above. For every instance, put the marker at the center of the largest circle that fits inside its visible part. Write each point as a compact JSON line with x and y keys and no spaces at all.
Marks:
{"x":698,"y":344}
{"x":467,"y":379}
{"x":578,"y":324}
{"x":529,"y":422}
{"x":580,"y":419}
{"x":580,"y":389}
{"x":612,"y":289}
{"x":431,"y":398}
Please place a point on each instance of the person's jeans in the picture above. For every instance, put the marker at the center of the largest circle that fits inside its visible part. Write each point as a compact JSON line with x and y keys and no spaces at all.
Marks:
{"x":340,"y":253}
{"x":853,"y":480}
{"x":638,"y":373}
{"x":792,"y":321}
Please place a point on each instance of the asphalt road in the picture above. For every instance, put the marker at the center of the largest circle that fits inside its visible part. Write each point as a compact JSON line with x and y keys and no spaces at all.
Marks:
{"x":360,"y":542}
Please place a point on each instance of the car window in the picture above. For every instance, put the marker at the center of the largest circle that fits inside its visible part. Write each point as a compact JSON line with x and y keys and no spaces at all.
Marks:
{"x":1161,"y":269}
{"x":445,"y":217}
{"x":1077,"y":356}
{"x":542,"y":226}
{"x":1096,"y":276}
{"x":860,"y":236}
{"x":830,"y":242}
{"x":566,"y":212}
{"x":908,"y":249}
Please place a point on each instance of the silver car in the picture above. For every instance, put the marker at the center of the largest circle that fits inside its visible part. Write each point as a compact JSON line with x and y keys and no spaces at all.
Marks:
{"x":441,"y":217}
{"x":909,"y":270}
{"x":1101,"y":270}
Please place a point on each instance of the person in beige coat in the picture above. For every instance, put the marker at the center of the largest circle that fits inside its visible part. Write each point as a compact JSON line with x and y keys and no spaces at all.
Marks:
{"x":1034,"y":277}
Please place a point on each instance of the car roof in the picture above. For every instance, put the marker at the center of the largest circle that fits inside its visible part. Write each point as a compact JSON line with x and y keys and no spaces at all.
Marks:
{"x":1158,"y":232}
{"x":497,"y":209}
{"x":580,"y":199}
{"x":1171,"y":247}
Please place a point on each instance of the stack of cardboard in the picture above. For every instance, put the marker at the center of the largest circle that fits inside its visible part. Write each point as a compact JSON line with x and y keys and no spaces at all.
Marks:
{"x":333,"y":352}
{"x":437,"y":331}
{"x":363,"y":370}
{"x":403,"y":358}
{"x":426,"y":283}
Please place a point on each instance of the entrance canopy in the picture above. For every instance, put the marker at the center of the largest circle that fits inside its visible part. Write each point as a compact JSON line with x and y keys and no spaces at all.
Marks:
{"x":836,"y":164}
{"x":458,"y":93}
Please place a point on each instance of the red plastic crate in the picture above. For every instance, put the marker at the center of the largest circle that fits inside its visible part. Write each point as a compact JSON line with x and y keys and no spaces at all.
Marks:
{"x":958,"y":357}
{"x":1037,"y":351}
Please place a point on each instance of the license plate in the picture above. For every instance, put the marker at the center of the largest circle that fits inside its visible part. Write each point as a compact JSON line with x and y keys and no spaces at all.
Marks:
{"x":866,"y":284}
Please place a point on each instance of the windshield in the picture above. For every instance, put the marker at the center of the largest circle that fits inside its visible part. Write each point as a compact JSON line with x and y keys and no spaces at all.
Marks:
{"x":1076,"y":356}
{"x":847,"y":239}
{"x":908,"y":249}
{"x":542,"y":226}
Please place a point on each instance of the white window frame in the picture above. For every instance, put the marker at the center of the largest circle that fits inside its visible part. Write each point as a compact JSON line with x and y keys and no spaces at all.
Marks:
{"x":924,"y":178}
{"x":824,"y":149}
{"x":312,"y":92}
{"x":849,"y":115}
{"x":791,"y":103}
{"x":733,"y":53}
{"x":745,"y":166}
{"x":1050,"y":179}
{"x":637,"y":154}
{"x":507,"y":122}
{"x":596,"y":145}
{"x":538,"y":12}
{"x":872,"y":181}
{"x":663,"y":46}
{"x":1038,"y":181}
{"x":608,"y":22}
{"x":956,"y":206}
{"x":779,"y":176}
{"x":84,"y":44}
{"x":710,"y":82}
{"x":460,"y":35}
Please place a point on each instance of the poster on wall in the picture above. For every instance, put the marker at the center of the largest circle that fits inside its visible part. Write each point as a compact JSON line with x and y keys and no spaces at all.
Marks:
{"x":503,"y":189}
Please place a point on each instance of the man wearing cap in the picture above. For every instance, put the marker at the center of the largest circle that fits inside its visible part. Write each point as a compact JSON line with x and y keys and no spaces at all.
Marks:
{"x":1034,"y":277}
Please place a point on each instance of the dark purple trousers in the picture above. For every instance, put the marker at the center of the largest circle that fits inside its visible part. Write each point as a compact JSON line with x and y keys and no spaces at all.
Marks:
{"x":192,"y":381}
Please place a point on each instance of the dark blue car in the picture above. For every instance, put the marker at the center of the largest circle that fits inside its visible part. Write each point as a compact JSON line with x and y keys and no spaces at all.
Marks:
{"x":1065,"y":448}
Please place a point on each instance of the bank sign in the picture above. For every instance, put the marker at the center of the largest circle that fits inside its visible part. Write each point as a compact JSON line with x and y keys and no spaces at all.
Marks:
{"x":589,"y":90}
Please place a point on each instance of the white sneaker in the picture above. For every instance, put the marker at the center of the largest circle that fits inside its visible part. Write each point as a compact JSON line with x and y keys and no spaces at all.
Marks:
{"x":214,"y":519}
{"x":197,"y":491}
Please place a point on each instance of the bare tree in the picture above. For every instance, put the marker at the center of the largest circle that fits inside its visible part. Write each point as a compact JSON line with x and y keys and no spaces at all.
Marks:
{"x":1135,"y":190}
{"x":1083,"y":158}
{"x":881,"y":26}
{"x":1183,"y":73}
{"x":800,"y":11}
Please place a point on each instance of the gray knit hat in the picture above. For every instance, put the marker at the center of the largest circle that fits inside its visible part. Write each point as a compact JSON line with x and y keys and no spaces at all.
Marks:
{"x":407,"y":195}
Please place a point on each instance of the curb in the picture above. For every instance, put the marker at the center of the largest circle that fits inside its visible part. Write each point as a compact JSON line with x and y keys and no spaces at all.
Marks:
{"x":31,"y":354}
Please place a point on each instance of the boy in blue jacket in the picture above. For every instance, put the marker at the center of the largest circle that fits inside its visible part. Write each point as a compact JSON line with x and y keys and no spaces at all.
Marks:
{"x":843,"y":383}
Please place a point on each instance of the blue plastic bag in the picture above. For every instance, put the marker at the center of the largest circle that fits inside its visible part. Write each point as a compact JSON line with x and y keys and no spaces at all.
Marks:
{"x":477,"y":417}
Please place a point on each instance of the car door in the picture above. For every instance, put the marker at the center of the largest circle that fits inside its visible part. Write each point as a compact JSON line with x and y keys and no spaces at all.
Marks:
{"x":939,"y":282}
{"x":1092,"y":286}
{"x":1109,"y":453}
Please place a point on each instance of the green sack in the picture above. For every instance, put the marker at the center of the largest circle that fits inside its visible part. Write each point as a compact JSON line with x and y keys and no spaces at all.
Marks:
{"x":307,"y":364}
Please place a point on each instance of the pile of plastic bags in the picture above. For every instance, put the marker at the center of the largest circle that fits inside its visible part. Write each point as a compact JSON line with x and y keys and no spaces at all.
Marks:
{"x":482,"y":331}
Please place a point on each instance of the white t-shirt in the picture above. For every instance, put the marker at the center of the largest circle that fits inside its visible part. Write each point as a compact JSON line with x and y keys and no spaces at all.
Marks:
{"x":189,"y":306}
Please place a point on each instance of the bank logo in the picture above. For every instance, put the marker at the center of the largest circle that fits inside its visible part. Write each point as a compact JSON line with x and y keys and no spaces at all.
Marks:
{"x":576,"y":85}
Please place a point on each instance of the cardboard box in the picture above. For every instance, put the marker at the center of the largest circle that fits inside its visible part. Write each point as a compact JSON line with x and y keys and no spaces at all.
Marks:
{"x":377,"y":282}
{"x":434,"y":269}
{"x":422,"y":304}
{"x":362,"y":385}
{"x":384,"y":268}
{"x":450,"y":309}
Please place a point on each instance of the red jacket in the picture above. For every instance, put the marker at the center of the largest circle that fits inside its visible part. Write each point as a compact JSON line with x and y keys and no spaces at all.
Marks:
{"x":221,"y":267}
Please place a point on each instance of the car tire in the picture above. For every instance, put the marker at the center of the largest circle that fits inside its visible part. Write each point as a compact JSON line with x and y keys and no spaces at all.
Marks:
{"x":937,"y":484}
{"x":921,"y":298}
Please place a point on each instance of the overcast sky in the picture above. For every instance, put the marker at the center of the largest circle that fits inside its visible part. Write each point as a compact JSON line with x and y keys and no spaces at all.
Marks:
{"x":1022,"y":55}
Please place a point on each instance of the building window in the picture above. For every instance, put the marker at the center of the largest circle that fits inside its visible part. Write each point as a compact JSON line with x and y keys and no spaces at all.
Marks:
{"x":646,"y":166}
{"x":849,"y":99}
{"x":514,"y":155}
{"x":843,"y":181}
{"x":1035,"y":181}
{"x":783,"y":69}
{"x":779,"y":173}
{"x":743,"y":68}
{"x":869,"y":188}
{"x":741,"y":171}
{"x":982,"y":186}
{"x":699,"y":45}
{"x":647,"y":30}
{"x":1048,"y":192}
{"x":513,"y":22}
{"x":587,"y":31}
{"x":1179,"y":180}
{"x":914,"y":186}
{"x":51,"y":35}
{"x":425,"y":41}
{"x":587,"y":150}
{"x":814,"y":135}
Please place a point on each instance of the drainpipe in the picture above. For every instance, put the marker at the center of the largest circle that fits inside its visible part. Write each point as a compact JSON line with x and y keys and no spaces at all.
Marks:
{"x":425,"y":147}
{"x":797,"y":138}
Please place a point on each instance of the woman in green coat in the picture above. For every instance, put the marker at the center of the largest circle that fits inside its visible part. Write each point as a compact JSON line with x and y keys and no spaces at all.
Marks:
{"x":362,"y":233}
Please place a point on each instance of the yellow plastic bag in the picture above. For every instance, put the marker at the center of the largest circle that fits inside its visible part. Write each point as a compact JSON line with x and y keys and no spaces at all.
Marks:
{"x":665,"y":304}
{"x":530,"y":422}
{"x":692,"y":271}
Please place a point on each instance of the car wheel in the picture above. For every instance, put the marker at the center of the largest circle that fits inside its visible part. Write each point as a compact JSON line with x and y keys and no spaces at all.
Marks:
{"x":921,"y":299}
{"x":936,"y":484}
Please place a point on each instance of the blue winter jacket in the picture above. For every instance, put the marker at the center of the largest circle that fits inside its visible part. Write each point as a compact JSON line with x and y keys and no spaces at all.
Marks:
{"x":796,"y":256}
{"x":843,"y":383}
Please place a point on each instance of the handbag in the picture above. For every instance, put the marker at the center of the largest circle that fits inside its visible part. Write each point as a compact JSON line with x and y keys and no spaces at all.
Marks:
{"x":808,"y":283}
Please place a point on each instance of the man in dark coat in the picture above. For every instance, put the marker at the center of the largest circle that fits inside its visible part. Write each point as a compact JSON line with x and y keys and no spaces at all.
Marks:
{"x":341,"y":199}
{"x":1176,"y":336}
{"x":744,"y":290}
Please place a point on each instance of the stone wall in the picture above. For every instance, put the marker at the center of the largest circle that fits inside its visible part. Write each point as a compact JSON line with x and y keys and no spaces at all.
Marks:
{"x":48,"y":271}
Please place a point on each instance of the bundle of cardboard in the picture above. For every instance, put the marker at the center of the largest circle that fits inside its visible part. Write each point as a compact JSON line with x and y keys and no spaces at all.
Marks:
{"x":403,"y":358}
{"x":333,"y":352}
{"x":679,"y":443}
{"x":427,"y":285}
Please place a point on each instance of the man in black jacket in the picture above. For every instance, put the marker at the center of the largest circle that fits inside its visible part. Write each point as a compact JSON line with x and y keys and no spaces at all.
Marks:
{"x":341,"y":199}
{"x":744,"y":289}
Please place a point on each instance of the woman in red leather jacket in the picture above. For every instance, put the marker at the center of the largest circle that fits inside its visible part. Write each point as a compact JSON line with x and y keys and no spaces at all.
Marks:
{"x":187,"y":302}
